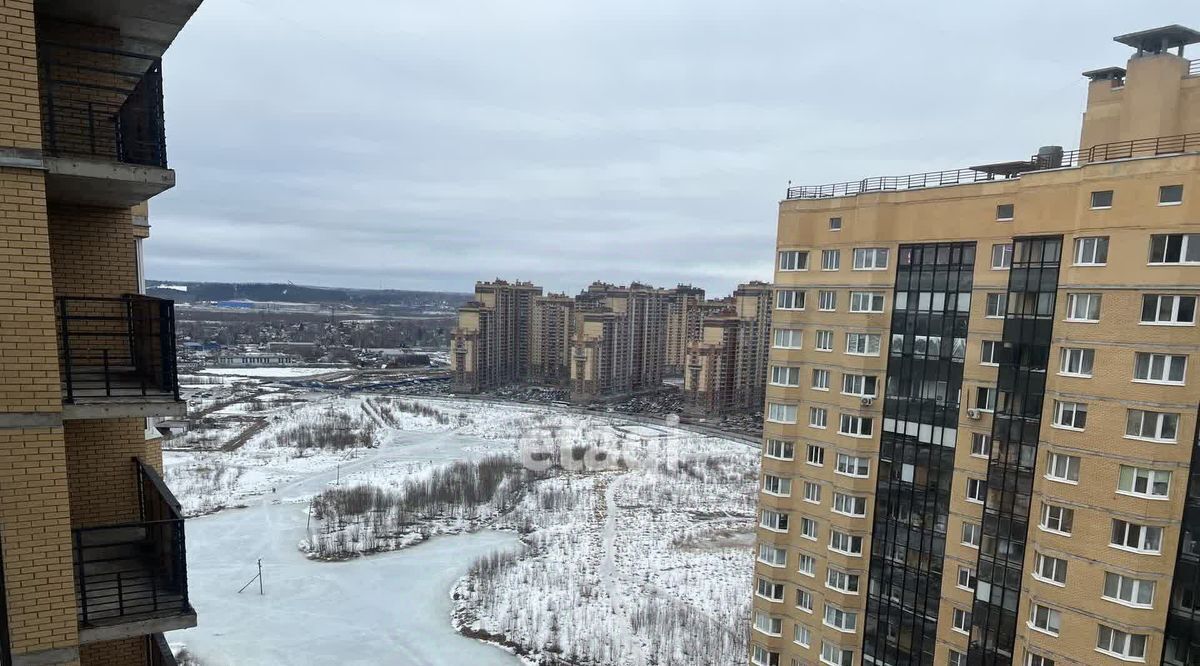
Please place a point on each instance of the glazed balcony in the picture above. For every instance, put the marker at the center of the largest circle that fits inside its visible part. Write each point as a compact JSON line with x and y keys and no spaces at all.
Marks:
{"x":131,"y":579}
{"x":117,"y":357}
{"x":103,"y":135}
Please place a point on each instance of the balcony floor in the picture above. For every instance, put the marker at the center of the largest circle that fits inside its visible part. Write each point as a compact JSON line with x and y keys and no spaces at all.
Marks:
{"x":121,"y":396}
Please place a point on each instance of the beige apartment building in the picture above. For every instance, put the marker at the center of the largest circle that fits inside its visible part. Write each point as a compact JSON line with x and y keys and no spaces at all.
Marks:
{"x":93,"y":551}
{"x":552,"y":327}
{"x":620,"y":344}
{"x":491,"y":345}
{"x":726,"y":368}
{"x":685,"y":317}
{"x":981,"y":424}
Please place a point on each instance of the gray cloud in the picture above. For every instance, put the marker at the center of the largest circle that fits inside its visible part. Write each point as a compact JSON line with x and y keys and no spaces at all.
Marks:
{"x":425,"y":145}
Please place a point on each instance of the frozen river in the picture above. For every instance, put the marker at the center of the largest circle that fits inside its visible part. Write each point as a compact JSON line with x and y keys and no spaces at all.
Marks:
{"x":391,"y":608}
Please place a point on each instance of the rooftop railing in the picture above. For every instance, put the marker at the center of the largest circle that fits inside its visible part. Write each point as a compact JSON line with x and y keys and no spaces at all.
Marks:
{"x":102,"y":103}
{"x":1165,"y":145}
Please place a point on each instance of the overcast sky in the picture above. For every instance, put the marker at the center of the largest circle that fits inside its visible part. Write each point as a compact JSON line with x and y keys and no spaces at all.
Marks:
{"x":426,"y":144}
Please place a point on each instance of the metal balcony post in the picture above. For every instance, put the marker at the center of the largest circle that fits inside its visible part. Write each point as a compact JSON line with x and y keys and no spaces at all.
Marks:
{"x":83,"y":602}
{"x":66,"y":347}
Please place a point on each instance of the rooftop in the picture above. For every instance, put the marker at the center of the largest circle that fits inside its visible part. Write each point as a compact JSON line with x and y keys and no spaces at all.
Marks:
{"x":1159,"y":40}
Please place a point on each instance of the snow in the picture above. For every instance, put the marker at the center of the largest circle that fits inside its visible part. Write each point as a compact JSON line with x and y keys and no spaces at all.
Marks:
{"x":280,"y":372}
{"x":638,"y":553}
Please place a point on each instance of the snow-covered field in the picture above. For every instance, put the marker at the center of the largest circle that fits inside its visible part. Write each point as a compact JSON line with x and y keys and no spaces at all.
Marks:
{"x":277,"y":373}
{"x":637,"y":538}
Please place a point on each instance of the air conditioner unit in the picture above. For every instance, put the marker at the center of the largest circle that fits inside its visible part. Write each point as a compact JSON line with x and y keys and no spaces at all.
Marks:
{"x":973,"y":413}
{"x":867,"y":401}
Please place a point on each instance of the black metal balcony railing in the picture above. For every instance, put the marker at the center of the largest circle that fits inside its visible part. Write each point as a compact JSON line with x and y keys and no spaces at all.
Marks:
{"x":134,"y":571}
{"x":120,"y":347}
{"x":102,"y":103}
{"x":1165,"y":145}
{"x":158,"y":653}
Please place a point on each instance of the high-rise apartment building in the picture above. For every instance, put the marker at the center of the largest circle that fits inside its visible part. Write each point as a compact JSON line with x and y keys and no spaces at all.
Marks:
{"x":92,"y":552}
{"x":491,"y":346}
{"x":980,"y":441}
{"x":684,"y":320}
{"x":726,"y":368}
{"x":620,"y":341}
{"x":553,"y":328}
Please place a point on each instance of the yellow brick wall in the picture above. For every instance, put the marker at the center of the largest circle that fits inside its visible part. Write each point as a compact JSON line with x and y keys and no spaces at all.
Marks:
{"x":34,"y":526}
{"x":20,"y":117}
{"x":123,"y":652}
{"x":92,"y":251}
{"x":100,"y":471}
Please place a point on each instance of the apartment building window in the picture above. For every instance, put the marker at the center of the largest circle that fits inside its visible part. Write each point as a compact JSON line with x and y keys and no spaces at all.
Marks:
{"x":1170,"y":195}
{"x":1083,"y":307}
{"x":793,"y":260}
{"x":1135,"y":537}
{"x":789,"y":299}
{"x":1102,"y":199}
{"x":1091,"y":251}
{"x":1120,"y":644}
{"x":812,"y":492}
{"x":1143,"y":482}
{"x":1045,"y":619}
{"x":1002,"y":256}
{"x":804,"y":600}
{"x":1152,"y":426}
{"x":825,"y":341}
{"x":864,"y":386}
{"x":862,"y":344}
{"x":1037,"y":660}
{"x":981,"y":444}
{"x":802,"y":635}
{"x":839,"y":580}
{"x":808,"y":565}
{"x":770,"y":590}
{"x":855,"y":426}
{"x":849,"y":505}
{"x":772,"y":556}
{"x":815,"y":455}
{"x":820,"y":379}
{"x":785,"y":376}
{"x":826,"y":300}
{"x":870,"y":258}
{"x":808,"y":528}
{"x":1004,"y":212}
{"x":966,"y":578}
{"x":856,"y":466}
{"x":1070,"y":415}
{"x":818,"y":417}
{"x":767,"y":624}
{"x":777,"y":485}
{"x":780,"y":449}
{"x":789,"y":338}
{"x":1168,"y":310}
{"x":976,"y":490}
{"x":989,"y":352}
{"x":778,"y":413}
{"x":846,"y":544}
{"x":836,"y":656}
{"x":1062,"y":467}
{"x":866,"y":301}
{"x":842,"y":620}
{"x":1159,"y":368}
{"x":1050,"y":569}
{"x":831,"y":260}
{"x":956,"y":658}
{"x":776,"y":521}
{"x":1057,"y":519}
{"x":835,"y":224}
{"x":985,"y":399}
{"x":1175,"y":249}
{"x":763,"y":657}
{"x":1128,"y":591}
{"x":961,"y":621}
{"x":1076,"y":362}
{"x":970,"y":534}
{"x":996,"y":305}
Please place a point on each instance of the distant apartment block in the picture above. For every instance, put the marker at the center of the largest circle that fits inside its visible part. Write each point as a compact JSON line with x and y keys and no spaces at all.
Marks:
{"x":684,"y":321}
{"x":491,"y":346}
{"x":726,"y":368}
{"x":980,"y":443}
{"x":620,"y":344}
{"x":553,"y":330}
{"x":92,"y":543}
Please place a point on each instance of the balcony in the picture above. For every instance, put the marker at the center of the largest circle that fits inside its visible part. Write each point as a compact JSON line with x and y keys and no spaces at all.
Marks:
{"x":103,"y":137}
{"x":131,"y":579}
{"x":117,"y":357}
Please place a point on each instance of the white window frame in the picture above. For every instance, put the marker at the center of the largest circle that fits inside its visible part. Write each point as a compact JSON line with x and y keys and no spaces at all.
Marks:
{"x":1001,"y":217}
{"x":1147,"y":477}
{"x":849,"y":539}
{"x":767,"y":627}
{"x":784,"y":375}
{"x":778,"y":449}
{"x":966,"y":579}
{"x":1120,"y":644}
{"x":777,"y":486}
{"x":818,"y":417}
{"x":849,"y":465}
{"x":1049,"y":522}
{"x":1057,"y":567}
{"x":812,"y":451}
{"x":871,"y":258}
{"x":802,"y":635}
{"x":1162,"y":189}
{"x":812,"y":492}
{"x":793,"y":261}
{"x":835,"y":655}
{"x":827,"y":300}
{"x":1002,"y":254}
{"x":777,"y":413}
{"x":772,"y":559}
{"x":831,"y":260}
{"x":865,"y":341}
{"x":1089,"y":249}
{"x":770,"y":520}
{"x":836,"y":579}
{"x":856,"y":385}
{"x":1176,"y":300}
{"x":976,"y":490}
{"x":1133,"y":586}
{"x":785,"y":304}
{"x":1076,"y":299}
{"x":961,"y":621}
{"x":995,"y":305}
{"x":761,"y":656}
{"x":990,"y":359}
{"x":1137,"y":532}
{"x":985,"y":399}
{"x":974,"y":529}
{"x":1078,"y":357}
{"x":758,"y":590}
{"x":821,"y":378}
{"x":804,"y":600}
{"x":840,"y":619}
{"x":846,"y":505}
{"x":794,"y":337}
{"x":1052,"y":619}
{"x":1166,"y":363}
{"x":1063,"y":468}
{"x":867,"y":302}
{"x":981,"y":445}
{"x":1070,"y":415}
{"x":1160,"y":419}
{"x":809,"y":529}
{"x":806,"y":565}
{"x":853,"y":425}
{"x":1185,"y":245}
{"x":824,"y":337}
